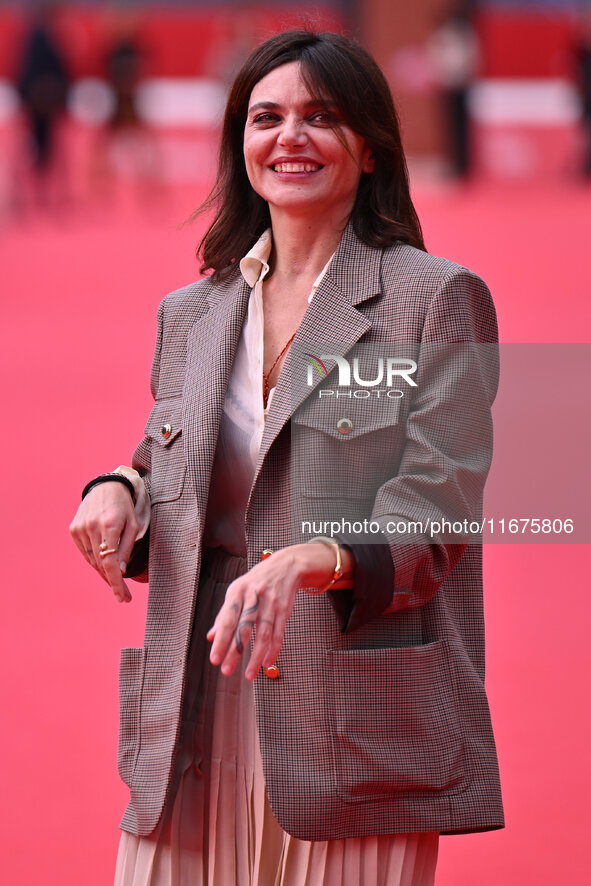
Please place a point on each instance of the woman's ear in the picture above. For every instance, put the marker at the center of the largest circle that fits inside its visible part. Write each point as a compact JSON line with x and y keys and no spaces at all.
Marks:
{"x":368,"y":162}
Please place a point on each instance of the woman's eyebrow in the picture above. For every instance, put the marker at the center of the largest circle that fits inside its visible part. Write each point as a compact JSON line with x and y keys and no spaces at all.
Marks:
{"x":267,"y":105}
{"x":312,"y":103}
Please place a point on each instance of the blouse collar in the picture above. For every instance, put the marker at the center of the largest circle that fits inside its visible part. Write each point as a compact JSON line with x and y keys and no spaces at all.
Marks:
{"x":254,"y":267}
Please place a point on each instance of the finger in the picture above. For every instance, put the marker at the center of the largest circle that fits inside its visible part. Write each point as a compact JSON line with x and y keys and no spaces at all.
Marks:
{"x":95,"y":541}
{"x":126,"y":543}
{"x":84,"y":545}
{"x":225,"y":624}
{"x":106,"y":555}
{"x":83,"y":542}
{"x":90,"y":557}
{"x":281,"y":613}
{"x":114,"y":575}
{"x":265,"y":631}
{"x":242,"y":635}
{"x":276,"y":643}
{"x":233,"y":626}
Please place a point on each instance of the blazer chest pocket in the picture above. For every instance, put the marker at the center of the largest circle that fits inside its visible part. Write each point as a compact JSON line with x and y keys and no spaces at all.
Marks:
{"x":131,"y":680}
{"x":345,"y":448}
{"x":394,"y":721}
{"x":164,"y":428}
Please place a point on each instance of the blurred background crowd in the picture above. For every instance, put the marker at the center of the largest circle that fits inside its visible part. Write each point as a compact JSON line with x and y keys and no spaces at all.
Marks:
{"x":93,"y":94}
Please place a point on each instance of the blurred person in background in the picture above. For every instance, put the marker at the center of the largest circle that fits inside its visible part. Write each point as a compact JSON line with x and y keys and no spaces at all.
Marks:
{"x":123,"y":66}
{"x":454,"y":52}
{"x":304,"y":710}
{"x":126,"y":148}
{"x":43,"y":82}
{"x":583,"y":61}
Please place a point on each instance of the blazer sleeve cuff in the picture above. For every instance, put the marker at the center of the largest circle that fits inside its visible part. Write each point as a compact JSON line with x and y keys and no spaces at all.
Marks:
{"x":137,"y":568}
{"x":374,"y":584}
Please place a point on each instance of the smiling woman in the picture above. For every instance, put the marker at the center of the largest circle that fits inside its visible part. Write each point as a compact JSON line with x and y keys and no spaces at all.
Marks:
{"x":305,"y":714}
{"x":298,"y":151}
{"x":343,"y":80}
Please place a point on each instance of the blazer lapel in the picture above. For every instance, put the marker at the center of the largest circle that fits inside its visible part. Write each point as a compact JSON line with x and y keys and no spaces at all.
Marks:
{"x":331,"y":320}
{"x":211,"y":347}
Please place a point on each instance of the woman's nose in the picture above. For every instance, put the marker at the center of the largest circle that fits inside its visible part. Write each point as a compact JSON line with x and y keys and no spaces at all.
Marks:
{"x":292,"y":132}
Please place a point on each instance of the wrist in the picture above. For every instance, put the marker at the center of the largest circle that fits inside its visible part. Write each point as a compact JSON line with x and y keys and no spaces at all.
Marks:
{"x":340,"y":568}
{"x":112,"y":477}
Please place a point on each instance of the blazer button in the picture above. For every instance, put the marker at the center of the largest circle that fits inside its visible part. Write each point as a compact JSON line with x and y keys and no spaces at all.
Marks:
{"x":166,"y":431}
{"x":266,"y":553}
{"x":272,"y":672}
{"x":345,"y":425}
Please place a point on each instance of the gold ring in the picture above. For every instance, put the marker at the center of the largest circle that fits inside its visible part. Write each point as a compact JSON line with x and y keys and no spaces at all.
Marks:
{"x":104,"y":551}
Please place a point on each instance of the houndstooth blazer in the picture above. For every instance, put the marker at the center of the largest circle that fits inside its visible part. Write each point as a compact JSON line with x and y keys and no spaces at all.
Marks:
{"x":384,"y":728}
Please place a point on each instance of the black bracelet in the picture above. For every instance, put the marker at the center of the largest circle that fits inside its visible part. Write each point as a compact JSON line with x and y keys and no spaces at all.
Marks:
{"x":106,"y":478}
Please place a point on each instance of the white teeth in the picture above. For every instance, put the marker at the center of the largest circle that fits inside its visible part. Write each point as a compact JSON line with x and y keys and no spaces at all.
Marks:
{"x":296,"y":167}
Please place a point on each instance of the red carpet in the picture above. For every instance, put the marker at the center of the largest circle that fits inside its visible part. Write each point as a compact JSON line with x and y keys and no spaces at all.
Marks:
{"x":79,"y":302}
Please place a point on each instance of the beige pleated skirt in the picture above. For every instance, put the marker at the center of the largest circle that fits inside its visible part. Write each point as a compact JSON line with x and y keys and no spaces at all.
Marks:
{"x":217,"y":828}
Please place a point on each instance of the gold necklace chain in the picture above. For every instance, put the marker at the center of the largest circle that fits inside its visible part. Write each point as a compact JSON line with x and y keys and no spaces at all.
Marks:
{"x":267,"y":375}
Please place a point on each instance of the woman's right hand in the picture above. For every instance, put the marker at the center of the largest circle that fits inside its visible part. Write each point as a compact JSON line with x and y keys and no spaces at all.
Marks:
{"x":106,"y":517}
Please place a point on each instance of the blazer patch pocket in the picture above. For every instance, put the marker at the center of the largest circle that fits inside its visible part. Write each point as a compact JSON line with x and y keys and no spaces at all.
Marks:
{"x":164,"y":428}
{"x":345,"y":449}
{"x":131,"y":679}
{"x":394,"y":721}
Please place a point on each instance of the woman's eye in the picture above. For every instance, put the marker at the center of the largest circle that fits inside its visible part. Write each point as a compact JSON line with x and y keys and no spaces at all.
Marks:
{"x":325,"y":118}
{"x":267,"y":117}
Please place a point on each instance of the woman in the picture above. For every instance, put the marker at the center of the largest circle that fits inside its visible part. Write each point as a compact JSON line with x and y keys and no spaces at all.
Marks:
{"x":356,"y":728}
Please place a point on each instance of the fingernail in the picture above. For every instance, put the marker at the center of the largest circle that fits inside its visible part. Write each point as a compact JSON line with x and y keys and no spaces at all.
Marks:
{"x":123,"y":567}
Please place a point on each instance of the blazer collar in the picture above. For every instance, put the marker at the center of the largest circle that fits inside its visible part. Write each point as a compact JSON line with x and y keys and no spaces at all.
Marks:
{"x":356,"y":268}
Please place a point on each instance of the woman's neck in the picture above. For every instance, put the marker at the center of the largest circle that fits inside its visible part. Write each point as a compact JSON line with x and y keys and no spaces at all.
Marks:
{"x":301,"y":248}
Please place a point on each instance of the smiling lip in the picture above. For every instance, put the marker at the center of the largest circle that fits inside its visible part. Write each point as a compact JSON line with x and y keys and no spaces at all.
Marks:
{"x":292,"y":167}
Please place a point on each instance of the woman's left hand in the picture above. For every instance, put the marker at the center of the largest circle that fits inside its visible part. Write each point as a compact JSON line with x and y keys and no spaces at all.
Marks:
{"x":264,"y":596}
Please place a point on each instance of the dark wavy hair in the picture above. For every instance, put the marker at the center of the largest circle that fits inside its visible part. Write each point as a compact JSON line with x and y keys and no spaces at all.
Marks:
{"x":333,"y":67}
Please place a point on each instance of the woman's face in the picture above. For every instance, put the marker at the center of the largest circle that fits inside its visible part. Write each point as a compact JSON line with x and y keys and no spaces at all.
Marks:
{"x":294,"y":158}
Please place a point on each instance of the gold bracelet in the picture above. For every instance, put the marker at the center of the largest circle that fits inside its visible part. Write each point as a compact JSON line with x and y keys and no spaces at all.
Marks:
{"x":338,"y":570}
